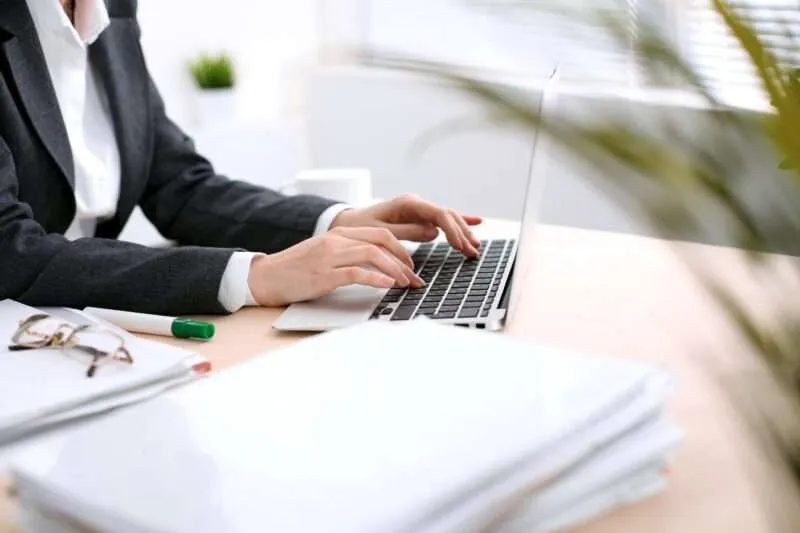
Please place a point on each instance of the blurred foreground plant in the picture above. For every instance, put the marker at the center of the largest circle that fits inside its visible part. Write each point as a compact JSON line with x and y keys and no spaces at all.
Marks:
{"x":672,"y":181}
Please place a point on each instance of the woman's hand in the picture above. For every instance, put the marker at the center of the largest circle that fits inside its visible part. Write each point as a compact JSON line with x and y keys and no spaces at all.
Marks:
{"x":342,"y":256}
{"x":411,"y":218}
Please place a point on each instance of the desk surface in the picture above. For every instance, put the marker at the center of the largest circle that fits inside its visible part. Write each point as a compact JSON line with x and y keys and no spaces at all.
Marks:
{"x":624,"y":296}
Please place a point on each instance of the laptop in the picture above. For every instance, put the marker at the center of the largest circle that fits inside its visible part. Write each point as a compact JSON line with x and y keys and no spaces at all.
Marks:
{"x":468,"y":292}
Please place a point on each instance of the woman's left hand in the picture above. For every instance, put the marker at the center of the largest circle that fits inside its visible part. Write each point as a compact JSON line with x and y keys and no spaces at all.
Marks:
{"x":414,"y":219}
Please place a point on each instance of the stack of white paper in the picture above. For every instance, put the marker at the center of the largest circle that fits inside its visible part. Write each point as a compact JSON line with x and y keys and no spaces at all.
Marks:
{"x":405,"y":428}
{"x":39,"y":388}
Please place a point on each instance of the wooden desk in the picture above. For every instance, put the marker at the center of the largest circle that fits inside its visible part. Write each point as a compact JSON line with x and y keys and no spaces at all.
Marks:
{"x":623,"y":296}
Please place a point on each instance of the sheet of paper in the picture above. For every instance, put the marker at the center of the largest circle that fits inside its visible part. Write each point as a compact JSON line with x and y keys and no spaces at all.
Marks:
{"x":644,"y":450}
{"x":42,"y":383}
{"x":544,"y":472}
{"x":627,"y":491}
{"x":374,"y":428}
{"x":19,"y":435}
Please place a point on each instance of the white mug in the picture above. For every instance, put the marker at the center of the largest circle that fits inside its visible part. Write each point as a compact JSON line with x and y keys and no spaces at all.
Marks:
{"x":351,"y":186}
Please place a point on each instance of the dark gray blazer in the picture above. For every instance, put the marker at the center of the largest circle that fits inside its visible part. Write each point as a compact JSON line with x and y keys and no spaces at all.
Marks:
{"x":209,"y":215}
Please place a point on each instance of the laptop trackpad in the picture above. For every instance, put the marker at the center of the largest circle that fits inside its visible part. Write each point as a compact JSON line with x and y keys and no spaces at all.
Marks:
{"x":341,"y":308}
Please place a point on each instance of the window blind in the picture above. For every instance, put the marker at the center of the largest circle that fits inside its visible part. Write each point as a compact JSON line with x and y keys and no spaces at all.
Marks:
{"x":584,"y":49}
{"x":722,"y":64}
{"x":518,"y":37}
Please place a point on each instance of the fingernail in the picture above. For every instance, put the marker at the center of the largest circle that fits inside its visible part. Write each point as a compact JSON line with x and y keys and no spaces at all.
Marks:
{"x":419,"y":281}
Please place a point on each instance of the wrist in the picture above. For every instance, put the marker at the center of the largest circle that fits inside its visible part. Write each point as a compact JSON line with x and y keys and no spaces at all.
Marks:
{"x":344,"y":219}
{"x":259,"y":268}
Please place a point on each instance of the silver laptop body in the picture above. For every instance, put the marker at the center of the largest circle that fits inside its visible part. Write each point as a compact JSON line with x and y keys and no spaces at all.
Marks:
{"x":477,"y":293}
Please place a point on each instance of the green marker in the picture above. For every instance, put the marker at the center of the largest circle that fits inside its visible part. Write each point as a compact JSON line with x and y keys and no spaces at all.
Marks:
{"x":181,"y":328}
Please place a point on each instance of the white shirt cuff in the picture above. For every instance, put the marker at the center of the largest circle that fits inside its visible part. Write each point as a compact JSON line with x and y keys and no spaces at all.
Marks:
{"x":326,"y":218}
{"x":234,"y":291}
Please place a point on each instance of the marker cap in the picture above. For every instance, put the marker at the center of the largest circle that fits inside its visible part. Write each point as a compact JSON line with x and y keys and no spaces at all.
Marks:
{"x":184,"y":328}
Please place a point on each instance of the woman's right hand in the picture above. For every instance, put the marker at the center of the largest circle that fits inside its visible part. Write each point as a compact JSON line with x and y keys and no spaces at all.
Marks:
{"x":317,"y":266}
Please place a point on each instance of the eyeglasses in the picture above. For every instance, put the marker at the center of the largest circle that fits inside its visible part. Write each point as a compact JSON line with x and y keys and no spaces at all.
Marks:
{"x":89,"y":345}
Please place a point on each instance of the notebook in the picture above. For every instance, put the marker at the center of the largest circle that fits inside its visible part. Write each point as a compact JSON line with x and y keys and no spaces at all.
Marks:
{"x":43,"y":387}
{"x":369,"y":428}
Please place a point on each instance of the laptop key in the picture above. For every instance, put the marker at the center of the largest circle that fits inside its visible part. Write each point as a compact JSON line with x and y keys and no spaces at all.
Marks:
{"x":448,"y":309}
{"x":403,"y":314}
{"x":468,"y":313}
{"x":395,"y":292}
{"x":444,"y":315}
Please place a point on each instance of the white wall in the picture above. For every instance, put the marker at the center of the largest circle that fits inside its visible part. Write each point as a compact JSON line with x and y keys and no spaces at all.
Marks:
{"x":271,"y":41}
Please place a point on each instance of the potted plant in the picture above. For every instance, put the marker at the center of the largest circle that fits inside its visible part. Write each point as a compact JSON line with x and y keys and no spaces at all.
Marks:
{"x":215,"y":79}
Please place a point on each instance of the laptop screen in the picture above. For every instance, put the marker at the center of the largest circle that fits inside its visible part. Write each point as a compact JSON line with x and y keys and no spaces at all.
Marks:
{"x":541,"y":154}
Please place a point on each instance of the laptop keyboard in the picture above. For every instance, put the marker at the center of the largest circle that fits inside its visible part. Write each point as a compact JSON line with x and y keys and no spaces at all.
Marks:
{"x":456,"y":286}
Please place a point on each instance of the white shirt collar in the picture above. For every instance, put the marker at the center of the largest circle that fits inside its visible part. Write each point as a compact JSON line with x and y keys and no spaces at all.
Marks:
{"x":91,"y":18}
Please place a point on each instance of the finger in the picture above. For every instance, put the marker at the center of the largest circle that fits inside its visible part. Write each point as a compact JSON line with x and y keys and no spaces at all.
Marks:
{"x":472,"y":220}
{"x":418,"y":210}
{"x":353,"y":275}
{"x":466,"y":231}
{"x":379,"y":237}
{"x":369,"y":254}
{"x":452,"y":231}
{"x":414,"y":232}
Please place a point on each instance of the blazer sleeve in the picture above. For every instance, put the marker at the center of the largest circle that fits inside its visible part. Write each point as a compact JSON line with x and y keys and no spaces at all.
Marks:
{"x":191,"y":204}
{"x":41,"y":269}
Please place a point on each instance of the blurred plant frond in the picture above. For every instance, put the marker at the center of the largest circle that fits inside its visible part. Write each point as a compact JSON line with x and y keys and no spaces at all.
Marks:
{"x":673,"y":180}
